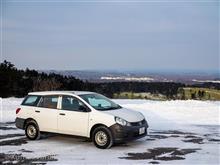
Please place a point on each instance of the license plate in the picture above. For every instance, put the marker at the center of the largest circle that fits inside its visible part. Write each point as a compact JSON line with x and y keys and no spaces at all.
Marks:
{"x":141,"y":130}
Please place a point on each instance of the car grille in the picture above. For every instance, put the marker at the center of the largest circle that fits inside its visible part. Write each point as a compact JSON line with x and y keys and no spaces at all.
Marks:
{"x":140,"y":123}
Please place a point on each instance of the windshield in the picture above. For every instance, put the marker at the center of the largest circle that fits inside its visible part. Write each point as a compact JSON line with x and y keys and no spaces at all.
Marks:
{"x":100,"y":102}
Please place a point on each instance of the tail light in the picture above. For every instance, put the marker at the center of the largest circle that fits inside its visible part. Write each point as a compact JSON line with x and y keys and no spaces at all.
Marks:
{"x":17,"y":110}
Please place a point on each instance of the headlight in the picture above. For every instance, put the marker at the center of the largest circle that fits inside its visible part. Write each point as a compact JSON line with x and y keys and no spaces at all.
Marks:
{"x":121,"y":121}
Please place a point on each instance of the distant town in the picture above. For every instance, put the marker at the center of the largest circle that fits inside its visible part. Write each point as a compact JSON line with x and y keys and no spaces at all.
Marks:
{"x":140,"y":76}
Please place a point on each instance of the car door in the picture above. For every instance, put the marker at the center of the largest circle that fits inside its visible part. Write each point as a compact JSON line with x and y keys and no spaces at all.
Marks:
{"x":73,"y":116}
{"x":46,"y":113}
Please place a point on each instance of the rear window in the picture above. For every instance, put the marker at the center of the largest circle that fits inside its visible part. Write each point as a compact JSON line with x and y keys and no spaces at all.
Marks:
{"x":48,"y":102}
{"x":31,"y":100}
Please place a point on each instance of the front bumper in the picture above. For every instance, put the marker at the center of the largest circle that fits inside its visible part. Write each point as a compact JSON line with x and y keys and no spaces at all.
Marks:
{"x":126,"y":133}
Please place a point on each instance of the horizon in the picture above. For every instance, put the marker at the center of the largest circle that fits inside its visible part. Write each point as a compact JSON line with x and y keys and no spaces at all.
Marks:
{"x":153,"y":72}
{"x":129,"y":71}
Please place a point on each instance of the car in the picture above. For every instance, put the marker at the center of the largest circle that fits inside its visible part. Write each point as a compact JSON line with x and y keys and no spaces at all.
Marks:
{"x":79,"y":113}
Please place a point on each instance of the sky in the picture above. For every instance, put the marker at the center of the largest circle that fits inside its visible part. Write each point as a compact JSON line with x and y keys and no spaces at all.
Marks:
{"x":111,"y":35}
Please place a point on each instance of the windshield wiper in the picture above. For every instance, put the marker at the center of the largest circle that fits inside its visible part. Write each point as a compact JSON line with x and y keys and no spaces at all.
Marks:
{"x":112,"y":108}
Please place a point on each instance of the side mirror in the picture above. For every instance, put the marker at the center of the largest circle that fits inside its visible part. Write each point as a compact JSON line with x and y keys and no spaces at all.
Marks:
{"x":83,"y":108}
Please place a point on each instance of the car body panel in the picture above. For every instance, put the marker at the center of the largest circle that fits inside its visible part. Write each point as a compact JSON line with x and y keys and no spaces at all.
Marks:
{"x":126,"y":114}
{"x":72,"y":122}
{"x":46,"y":118}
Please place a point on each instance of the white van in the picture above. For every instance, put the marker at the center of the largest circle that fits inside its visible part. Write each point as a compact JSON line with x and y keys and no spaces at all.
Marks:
{"x":79,"y":113}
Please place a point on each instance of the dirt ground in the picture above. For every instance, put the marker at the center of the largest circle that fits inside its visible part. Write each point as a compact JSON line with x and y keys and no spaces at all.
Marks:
{"x":155,"y":155}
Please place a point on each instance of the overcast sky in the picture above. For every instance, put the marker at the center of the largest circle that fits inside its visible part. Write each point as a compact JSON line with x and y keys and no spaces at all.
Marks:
{"x":143,"y":35}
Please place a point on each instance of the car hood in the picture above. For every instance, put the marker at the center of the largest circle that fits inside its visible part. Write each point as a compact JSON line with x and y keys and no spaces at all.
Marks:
{"x":126,"y":114}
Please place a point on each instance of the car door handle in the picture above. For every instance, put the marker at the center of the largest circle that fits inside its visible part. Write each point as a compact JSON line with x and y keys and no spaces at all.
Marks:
{"x":63,"y":114}
{"x":37,"y":111}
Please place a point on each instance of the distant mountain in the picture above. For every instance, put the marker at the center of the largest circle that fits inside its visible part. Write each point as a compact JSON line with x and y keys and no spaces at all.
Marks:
{"x":115,"y":76}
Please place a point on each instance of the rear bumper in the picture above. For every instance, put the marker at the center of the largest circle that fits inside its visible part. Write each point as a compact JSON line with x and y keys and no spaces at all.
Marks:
{"x":126,"y":133}
{"x":19,"y":122}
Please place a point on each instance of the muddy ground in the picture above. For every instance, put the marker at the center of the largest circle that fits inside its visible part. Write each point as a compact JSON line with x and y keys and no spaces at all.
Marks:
{"x":155,"y":155}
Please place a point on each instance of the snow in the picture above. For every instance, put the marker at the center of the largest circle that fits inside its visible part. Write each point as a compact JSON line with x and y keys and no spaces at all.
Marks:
{"x":176,"y":112}
{"x":8,"y":107}
{"x":169,"y":112}
{"x":197,"y":118}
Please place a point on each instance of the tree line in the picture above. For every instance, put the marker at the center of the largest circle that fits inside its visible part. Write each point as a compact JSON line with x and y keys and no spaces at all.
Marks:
{"x":17,"y":83}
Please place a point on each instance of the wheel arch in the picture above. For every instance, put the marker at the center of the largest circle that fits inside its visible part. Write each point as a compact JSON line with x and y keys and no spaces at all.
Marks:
{"x":27,"y":120}
{"x":94,"y":127}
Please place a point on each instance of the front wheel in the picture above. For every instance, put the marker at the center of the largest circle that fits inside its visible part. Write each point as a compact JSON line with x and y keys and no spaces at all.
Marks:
{"x":32,"y":131}
{"x":102,"y":137}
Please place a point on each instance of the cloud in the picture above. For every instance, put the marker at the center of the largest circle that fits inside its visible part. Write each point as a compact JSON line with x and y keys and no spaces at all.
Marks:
{"x":112,"y":36}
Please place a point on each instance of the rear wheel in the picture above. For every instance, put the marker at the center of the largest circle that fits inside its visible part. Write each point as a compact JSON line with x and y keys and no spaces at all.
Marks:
{"x":102,"y":137}
{"x":32,"y":131}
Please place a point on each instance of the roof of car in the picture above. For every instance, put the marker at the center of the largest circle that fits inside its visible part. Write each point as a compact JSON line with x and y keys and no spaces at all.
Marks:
{"x":60,"y":93}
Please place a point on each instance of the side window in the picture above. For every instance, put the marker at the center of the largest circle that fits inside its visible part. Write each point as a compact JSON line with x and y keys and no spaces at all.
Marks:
{"x":31,"y":100}
{"x":48,"y":102}
{"x":73,"y":104}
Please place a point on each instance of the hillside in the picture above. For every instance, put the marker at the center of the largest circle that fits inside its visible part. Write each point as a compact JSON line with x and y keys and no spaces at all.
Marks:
{"x":17,"y":83}
{"x":199,"y":93}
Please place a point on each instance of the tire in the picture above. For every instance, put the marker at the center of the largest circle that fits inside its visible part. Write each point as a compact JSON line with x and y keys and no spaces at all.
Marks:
{"x":32,"y":130}
{"x":102,"y":137}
